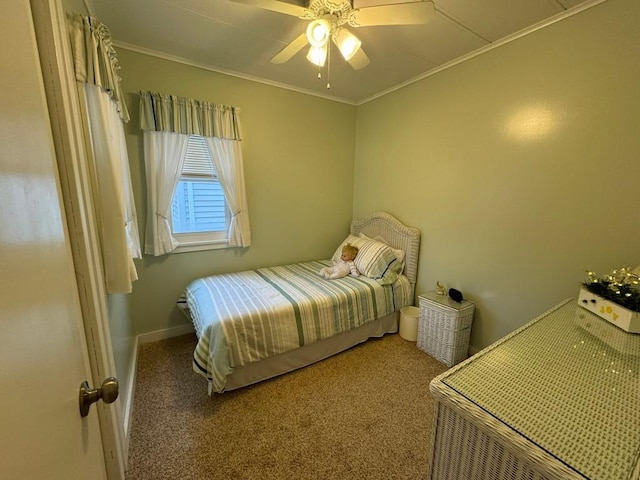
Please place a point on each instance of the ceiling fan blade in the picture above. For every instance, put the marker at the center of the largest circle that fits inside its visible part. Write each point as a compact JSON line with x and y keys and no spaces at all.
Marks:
{"x":290,"y":50}
{"x":359,"y":60}
{"x":276,"y":6}
{"x":415,"y":13}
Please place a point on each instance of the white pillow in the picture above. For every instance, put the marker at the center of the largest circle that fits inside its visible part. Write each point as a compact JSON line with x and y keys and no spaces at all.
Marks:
{"x":338,"y":253}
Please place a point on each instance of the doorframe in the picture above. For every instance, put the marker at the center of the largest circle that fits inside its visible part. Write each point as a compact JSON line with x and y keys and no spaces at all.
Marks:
{"x":71,"y":151}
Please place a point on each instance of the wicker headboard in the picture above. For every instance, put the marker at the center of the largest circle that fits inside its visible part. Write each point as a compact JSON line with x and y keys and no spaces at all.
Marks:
{"x":396,"y":234}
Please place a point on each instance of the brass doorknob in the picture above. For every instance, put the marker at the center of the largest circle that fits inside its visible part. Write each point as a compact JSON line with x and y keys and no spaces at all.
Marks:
{"x":108,"y":392}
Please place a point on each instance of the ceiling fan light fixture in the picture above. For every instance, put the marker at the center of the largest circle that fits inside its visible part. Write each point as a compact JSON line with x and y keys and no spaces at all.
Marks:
{"x":348,"y":43}
{"x":318,"y":32}
{"x":317,"y":55}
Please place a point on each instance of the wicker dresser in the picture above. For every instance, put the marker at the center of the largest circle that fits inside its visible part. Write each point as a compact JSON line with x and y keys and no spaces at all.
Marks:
{"x":557,"y":399}
{"x":444,"y":327}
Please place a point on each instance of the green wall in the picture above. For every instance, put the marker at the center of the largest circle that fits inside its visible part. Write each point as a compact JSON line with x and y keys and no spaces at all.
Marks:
{"x":298,"y":158}
{"x":520,"y":166}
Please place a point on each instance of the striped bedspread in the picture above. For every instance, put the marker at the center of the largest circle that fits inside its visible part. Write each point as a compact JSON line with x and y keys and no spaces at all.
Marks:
{"x":244,"y":317}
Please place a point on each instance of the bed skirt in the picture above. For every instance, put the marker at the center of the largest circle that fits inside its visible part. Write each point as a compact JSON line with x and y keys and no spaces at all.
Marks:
{"x":308,"y":354}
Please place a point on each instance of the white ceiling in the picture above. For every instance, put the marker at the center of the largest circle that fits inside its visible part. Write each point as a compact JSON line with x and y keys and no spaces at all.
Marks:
{"x":240,"y":40}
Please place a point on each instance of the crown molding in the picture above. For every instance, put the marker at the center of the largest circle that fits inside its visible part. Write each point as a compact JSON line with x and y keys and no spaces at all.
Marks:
{"x":498,"y":43}
{"x":231,"y":73}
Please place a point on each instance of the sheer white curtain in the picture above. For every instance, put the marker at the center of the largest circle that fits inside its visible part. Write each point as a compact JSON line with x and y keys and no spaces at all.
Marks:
{"x":167,"y":122}
{"x":227,"y":159}
{"x":164,"y":154}
{"x":104,"y":111}
{"x":111,"y":188}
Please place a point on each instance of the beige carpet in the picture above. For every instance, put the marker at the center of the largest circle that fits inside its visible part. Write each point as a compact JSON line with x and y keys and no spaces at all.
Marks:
{"x":363,"y":414}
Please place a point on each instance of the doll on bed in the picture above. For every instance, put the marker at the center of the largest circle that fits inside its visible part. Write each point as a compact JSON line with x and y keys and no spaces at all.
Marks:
{"x":344,"y":266}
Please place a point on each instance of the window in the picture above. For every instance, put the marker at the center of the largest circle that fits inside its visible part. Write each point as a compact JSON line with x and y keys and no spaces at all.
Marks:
{"x":199,"y":213}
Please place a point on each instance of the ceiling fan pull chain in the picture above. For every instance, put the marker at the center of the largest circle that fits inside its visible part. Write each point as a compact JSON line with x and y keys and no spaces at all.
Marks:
{"x":329,"y":67}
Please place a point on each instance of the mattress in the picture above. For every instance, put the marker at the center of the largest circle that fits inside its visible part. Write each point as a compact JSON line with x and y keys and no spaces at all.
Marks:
{"x":245,"y":317}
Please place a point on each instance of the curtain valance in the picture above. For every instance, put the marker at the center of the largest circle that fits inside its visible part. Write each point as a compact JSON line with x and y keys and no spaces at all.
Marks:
{"x":168,"y":113}
{"x":95,"y":59}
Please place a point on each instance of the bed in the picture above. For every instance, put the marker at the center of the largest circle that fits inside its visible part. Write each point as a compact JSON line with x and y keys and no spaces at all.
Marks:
{"x":257,"y":324}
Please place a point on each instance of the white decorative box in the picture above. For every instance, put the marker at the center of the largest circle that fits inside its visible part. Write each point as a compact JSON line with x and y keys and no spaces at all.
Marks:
{"x":618,"y":315}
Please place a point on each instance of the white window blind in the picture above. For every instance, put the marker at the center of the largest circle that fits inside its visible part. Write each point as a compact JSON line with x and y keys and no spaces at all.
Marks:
{"x":199,"y":205}
{"x":198,"y":162}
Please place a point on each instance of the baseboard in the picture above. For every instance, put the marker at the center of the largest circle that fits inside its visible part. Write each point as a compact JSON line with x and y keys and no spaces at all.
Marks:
{"x":128,"y":402}
{"x":166,"y":333}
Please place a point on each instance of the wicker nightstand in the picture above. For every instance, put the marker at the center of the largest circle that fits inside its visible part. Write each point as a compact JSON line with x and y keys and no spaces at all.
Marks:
{"x":444,"y":327}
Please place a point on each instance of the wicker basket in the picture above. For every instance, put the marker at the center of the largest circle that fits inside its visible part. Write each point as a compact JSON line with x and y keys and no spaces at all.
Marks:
{"x":444,"y":327}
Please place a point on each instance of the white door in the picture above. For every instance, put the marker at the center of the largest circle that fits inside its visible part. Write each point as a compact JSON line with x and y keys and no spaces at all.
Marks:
{"x":43,"y":353}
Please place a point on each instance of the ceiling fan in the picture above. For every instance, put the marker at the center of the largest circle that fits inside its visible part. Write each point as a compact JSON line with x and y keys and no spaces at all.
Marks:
{"x":328,"y":20}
